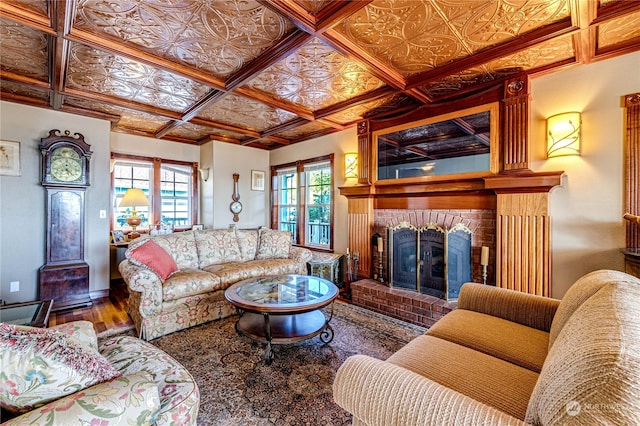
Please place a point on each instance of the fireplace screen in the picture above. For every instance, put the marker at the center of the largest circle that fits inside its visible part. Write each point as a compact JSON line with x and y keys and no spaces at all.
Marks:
{"x":430,"y":259}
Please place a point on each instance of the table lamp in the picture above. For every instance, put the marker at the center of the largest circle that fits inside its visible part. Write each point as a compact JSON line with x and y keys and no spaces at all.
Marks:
{"x":132,"y":198}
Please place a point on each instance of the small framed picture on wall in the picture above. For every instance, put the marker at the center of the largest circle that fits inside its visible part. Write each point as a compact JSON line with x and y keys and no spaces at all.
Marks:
{"x":9,"y":158}
{"x":257,"y":180}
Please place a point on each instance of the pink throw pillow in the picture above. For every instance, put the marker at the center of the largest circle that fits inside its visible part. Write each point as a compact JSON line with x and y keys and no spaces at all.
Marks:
{"x":154,"y":257}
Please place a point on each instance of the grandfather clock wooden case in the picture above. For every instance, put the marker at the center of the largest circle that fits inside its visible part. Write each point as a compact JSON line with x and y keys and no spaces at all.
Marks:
{"x":65,"y":177}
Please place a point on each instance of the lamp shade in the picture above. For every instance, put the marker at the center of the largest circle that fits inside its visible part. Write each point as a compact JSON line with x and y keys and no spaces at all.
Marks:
{"x":350,"y":165}
{"x":563,"y":134}
{"x":134,"y":197}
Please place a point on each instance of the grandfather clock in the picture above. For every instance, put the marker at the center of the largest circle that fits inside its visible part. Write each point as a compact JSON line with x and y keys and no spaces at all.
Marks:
{"x":65,"y":176}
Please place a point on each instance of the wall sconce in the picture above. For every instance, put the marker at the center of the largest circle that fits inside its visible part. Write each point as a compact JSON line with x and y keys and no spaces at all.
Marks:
{"x":563,"y":134}
{"x":204,"y":174}
{"x":350,"y":165}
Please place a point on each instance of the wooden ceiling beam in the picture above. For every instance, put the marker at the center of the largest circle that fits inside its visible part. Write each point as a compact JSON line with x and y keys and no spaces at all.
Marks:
{"x":330,"y":15}
{"x":584,"y":41}
{"x":59,"y":49}
{"x":27,"y":17}
{"x":266,"y":99}
{"x":222,"y":126}
{"x":107,"y":99}
{"x":355,"y":101}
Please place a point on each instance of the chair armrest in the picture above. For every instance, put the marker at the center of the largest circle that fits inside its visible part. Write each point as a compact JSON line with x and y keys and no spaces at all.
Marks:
{"x":522,"y":308}
{"x":147,"y":283}
{"x":301,"y":255}
{"x":131,"y":399}
{"x":380,"y":393}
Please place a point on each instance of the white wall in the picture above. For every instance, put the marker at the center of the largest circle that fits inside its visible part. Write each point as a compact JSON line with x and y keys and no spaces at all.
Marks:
{"x":587,"y":230}
{"x":22,"y":199}
{"x":227,"y":160}
{"x":337,"y":143}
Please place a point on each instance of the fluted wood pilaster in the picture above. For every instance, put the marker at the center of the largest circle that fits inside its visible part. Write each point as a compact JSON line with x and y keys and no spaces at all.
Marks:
{"x":515,"y":128}
{"x":632,"y":169}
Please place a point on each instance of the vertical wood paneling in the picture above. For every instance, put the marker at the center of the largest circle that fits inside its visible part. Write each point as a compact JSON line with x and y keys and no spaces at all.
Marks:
{"x":523,"y":251}
{"x":364,"y":152}
{"x":360,"y":217}
{"x":515,"y":141}
{"x":632,"y":172}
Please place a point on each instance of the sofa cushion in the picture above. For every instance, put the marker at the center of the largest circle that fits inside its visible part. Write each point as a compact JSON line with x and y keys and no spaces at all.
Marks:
{"x":585,"y":287}
{"x":485,"y":378}
{"x":179,"y":393}
{"x":150,"y":255}
{"x":507,"y":340}
{"x":126,"y":400}
{"x":181,"y":246}
{"x":273,"y":244}
{"x":248,"y":241}
{"x":232,"y":272}
{"x":591,"y":375}
{"x":80,"y":331}
{"x":189,"y":282}
{"x":40,"y":365}
{"x":217,"y":246}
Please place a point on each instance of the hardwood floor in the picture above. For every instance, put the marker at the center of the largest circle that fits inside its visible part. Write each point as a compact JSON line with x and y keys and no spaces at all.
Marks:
{"x":107,"y":313}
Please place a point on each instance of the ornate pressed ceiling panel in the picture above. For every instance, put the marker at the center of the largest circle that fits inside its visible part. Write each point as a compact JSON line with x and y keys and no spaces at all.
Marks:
{"x":218,"y":37}
{"x":268,"y":73}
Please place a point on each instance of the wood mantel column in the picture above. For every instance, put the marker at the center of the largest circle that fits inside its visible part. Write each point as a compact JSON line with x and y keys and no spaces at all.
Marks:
{"x":632,"y":166}
{"x":523,"y":243}
{"x":515,"y":128}
{"x":365,"y":146}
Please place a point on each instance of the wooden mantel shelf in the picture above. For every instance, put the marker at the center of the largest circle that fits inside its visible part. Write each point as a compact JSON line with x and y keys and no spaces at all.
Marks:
{"x":499,"y":183}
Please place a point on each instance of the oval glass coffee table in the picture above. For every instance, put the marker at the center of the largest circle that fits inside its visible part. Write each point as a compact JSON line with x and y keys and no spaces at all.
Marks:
{"x":283,"y":309}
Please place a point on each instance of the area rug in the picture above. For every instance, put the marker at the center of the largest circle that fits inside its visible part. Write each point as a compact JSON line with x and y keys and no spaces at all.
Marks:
{"x":238,"y":388}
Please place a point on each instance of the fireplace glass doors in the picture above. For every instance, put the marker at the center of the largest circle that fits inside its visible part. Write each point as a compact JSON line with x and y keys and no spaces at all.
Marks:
{"x":431,"y":260}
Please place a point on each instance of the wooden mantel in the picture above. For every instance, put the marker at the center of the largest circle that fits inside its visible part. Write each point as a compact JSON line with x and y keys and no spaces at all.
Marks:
{"x":519,"y":197}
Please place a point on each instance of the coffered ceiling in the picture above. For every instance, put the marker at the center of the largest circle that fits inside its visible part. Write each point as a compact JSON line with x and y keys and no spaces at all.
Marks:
{"x":275,"y":72}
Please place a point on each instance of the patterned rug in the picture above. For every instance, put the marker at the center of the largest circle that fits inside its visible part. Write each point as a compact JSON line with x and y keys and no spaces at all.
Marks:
{"x":238,"y":388}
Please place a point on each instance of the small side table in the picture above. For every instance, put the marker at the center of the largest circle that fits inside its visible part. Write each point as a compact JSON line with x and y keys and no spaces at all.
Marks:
{"x":329,"y":266}
{"x":33,"y":314}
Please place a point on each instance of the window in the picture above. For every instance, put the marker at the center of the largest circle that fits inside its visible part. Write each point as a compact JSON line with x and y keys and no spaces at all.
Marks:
{"x":170,"y":187}
{"x":303,"y":201}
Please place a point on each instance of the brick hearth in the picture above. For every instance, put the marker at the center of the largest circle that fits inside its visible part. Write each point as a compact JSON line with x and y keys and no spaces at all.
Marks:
{"x":409,"y":306}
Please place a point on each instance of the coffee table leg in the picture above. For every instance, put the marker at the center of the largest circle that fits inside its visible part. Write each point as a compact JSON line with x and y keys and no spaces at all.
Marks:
{"x":268,"y":352}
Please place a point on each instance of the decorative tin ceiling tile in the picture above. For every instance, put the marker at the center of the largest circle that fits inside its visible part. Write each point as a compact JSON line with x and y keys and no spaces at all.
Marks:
{"x":199,"y":132}
{"x":415,"y":37}
{"x":218,"y":37}
{"x":101,"y":72}
{"x":19,"y":89}
{"x":540,"y":55}
{"x":617,"y":30}
{"x":23,"y":50}
{"x":303,"y":130}
{"x":315,"y":76}
{"x":358,"y":112}
{"x":252,"y":115}
{"x":141,"y":121}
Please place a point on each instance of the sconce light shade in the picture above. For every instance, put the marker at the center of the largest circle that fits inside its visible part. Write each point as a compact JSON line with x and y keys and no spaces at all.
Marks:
{"x":204,"y":174}
{"x":350,"y":165}
{"x":563,"y":134}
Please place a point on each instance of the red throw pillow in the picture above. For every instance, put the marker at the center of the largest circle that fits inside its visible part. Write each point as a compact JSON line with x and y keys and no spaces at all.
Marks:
{"x":155,"y":258}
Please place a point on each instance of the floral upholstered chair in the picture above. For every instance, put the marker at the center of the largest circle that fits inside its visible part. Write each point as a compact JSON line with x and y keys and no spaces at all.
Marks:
{"x":60,"y":376}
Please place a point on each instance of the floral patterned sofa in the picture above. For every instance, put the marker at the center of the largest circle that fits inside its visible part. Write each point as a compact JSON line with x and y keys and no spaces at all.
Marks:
{"x":178,"y":280}
{"x":61,"y":376}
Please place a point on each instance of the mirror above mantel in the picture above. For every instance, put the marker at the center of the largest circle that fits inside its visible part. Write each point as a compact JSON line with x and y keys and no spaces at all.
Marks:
{"x":461,"y":142}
